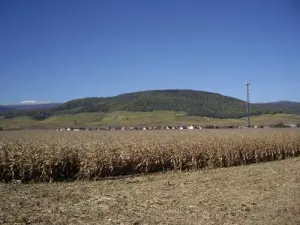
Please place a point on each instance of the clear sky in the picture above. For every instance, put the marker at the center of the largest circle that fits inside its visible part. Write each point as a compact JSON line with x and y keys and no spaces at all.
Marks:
{"x":60,"y":50}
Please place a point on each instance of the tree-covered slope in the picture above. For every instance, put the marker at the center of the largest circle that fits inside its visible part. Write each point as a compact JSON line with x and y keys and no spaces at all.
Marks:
{"x":197,"y":103}
{"x":282,"y":106}
{"x":38,"y":106}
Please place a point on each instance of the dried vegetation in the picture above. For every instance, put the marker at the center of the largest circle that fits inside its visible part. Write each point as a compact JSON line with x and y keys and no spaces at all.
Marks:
{"x":47,"y":155}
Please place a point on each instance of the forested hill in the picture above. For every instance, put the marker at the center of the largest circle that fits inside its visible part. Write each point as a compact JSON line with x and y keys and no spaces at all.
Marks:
{"x":195,"y":103}
{"x":198,"y":103}
{"x":282,"y":106}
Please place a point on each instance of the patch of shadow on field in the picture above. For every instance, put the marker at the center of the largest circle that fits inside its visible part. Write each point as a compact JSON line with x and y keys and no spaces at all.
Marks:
{"x":256,"y":194}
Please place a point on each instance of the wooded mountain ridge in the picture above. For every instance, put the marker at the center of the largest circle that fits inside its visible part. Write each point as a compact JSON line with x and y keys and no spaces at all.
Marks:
{"x":195,"y":103}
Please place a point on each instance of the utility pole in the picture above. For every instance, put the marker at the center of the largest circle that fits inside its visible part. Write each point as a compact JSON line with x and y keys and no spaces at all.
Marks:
{"x":248,"y":103}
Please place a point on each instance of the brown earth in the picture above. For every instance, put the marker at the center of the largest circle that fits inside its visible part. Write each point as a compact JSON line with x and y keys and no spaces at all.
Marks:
{"x":265,"y":193}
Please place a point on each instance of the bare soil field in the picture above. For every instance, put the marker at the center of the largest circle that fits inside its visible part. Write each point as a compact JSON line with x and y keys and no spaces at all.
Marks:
{"x":266,"y":193}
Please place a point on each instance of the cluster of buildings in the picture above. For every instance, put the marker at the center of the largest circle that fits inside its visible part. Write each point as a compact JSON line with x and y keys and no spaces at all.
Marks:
{"x":190,"y":127}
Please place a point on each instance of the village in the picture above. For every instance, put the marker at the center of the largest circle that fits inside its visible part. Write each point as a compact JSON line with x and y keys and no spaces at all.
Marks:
{"x":190,"y":127}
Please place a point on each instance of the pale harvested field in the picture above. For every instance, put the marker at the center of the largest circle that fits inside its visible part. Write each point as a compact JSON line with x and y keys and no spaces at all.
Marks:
{"x":266,"y":193}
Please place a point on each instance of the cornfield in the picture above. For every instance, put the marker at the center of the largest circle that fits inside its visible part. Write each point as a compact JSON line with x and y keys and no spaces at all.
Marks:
{"x":51,"y":156}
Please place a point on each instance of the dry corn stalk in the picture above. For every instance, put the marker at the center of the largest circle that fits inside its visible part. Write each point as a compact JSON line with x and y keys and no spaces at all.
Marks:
{"x":47,"y":156}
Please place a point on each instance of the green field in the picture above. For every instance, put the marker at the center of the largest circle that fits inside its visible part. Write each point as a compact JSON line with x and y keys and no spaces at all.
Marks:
{"x":139,"y":118}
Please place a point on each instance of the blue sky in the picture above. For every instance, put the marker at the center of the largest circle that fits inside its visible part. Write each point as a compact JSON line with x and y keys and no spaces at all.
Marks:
{"x":61,"y":50}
